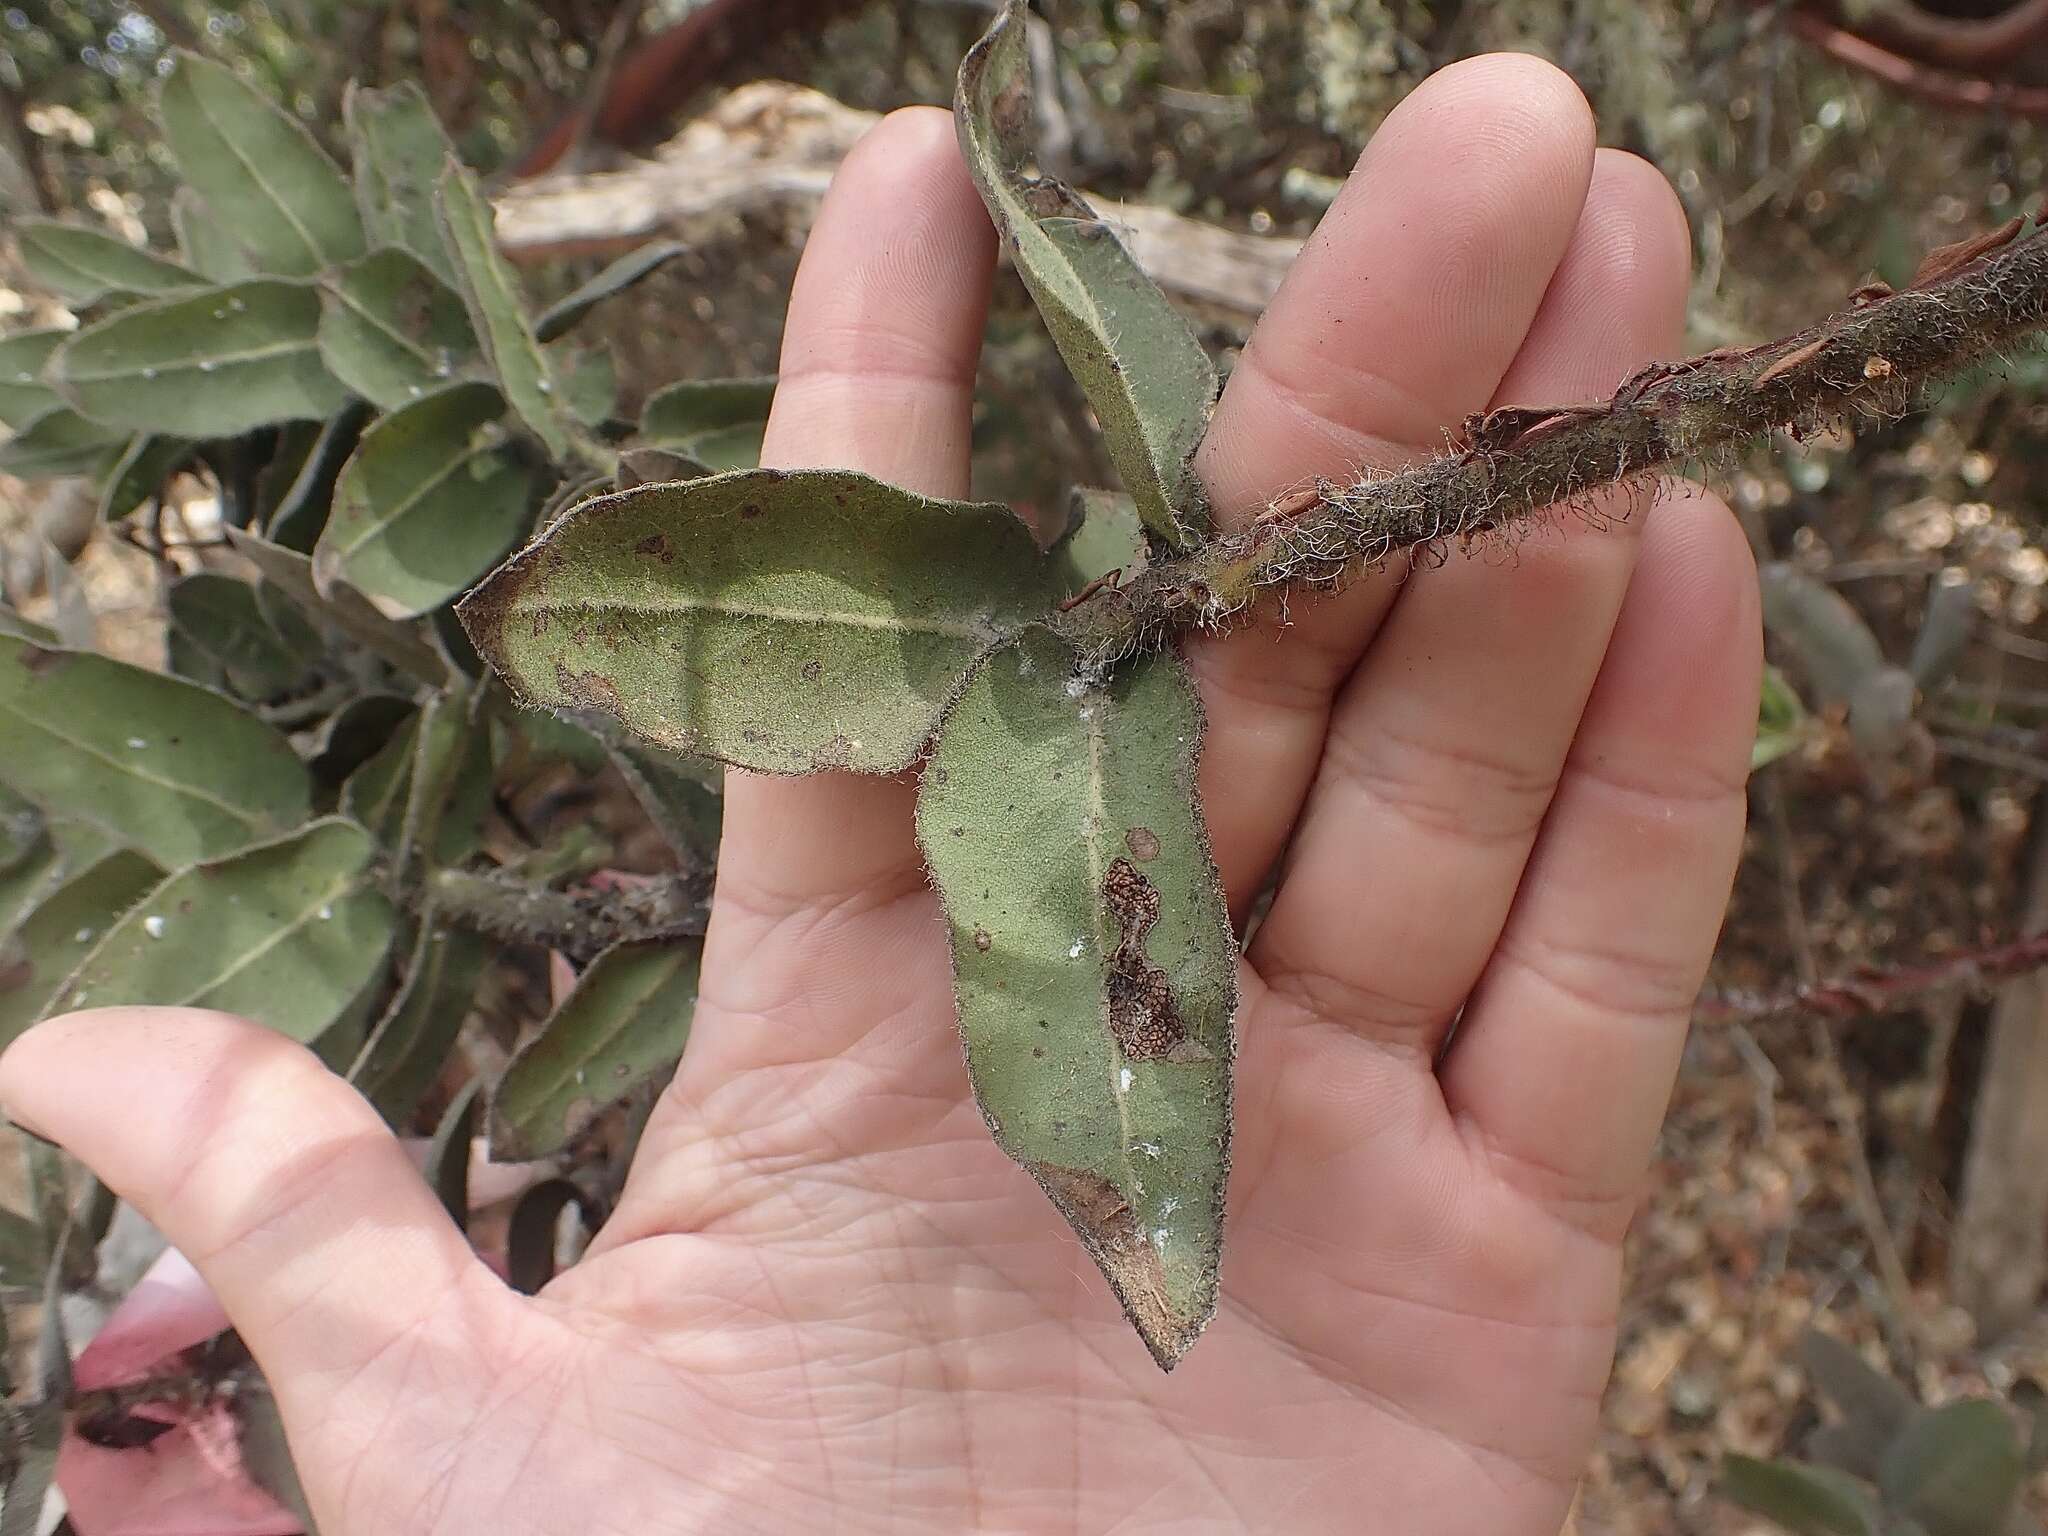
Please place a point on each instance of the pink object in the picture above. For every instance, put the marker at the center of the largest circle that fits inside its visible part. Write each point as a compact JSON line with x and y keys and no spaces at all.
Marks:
{"x":189,"y":1481}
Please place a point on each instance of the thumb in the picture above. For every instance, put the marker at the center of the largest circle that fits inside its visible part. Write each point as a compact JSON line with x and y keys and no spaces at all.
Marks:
{"x":275,"y":1178}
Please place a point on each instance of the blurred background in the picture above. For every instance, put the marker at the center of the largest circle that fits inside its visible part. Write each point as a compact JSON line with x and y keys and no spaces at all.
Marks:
{"x":1875,"y":1164}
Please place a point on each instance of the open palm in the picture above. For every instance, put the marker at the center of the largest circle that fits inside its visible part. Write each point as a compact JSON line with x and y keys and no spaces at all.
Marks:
{"x":1504,"y":793}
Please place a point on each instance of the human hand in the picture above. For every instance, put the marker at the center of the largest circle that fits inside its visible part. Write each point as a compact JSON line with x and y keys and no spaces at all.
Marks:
{"x":1506,"y":792}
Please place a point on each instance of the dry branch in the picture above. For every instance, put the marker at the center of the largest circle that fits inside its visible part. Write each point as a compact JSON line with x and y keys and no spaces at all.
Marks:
{"x":770,"y":149}
{"x":1863,"y":993}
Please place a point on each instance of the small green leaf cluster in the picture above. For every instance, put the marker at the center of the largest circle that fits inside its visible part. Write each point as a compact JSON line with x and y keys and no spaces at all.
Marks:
{"x":300,"y":819}
{"x":1886,"y":1466}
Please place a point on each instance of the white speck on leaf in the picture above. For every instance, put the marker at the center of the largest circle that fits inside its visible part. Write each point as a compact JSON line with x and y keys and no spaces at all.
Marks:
{"x":136,"y":743}
{"x":1075,"y":952}
{"x":326,"y":913}
{"x":153,"y":925}
{"x":1123,"y":1080}
{"x":1150,"y":1148}
{"x":1159,"y":1238}
{"x":1169,"y":1205}
{"x":83,"y":936}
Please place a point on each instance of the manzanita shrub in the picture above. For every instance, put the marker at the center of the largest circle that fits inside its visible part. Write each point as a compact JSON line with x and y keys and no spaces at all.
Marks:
{"x":291,"y":823}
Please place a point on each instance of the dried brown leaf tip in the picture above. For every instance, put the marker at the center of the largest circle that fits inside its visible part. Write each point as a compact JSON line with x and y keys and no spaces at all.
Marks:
{"x":1945,"y":261}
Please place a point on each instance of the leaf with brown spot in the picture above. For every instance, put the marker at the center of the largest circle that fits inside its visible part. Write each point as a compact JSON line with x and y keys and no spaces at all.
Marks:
{"x":1095,"y":998}
{"x":785,"y":622}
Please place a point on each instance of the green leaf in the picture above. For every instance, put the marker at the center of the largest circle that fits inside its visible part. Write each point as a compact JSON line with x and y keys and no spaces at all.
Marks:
{"x":143,"y":470}
{"x":259,"y":170}
{"x":623,"y":1026}
{"x":590,"y":383}
{"x":497,"y":311}
{"x":530,"y":1236}
{"x":448,"y":1158}
{"x":355,"y":733}
{"x":266,"y":1456}
{"x":60,"y":442}
{"x":431,"y":499}
{"x":390,"y":329}
{"x":174,"y":770}
{"x":221,"y":619}
{"x":1104,"y":535}
{"x":1093,"y":959}
{"x":213,"y":364}
{"x":399,"y":151}
{"x":678,"y":798}
{"x":62,"y":930}
{"x":286,"y":933}
{"x":1806,"y":1501}
{"x":716,"y":423}
{"x":559,"y":318}
{"x":1956,"y":1469}
{"x":1864,"y":1395}
{"x":205,"y":245}
{"x":23,"y":394}
{"x":1132,"y":353}
{"x":345,"y":609}
{"x":412,"y":1042}
{"x":84,"y":265}
{"x":787,"y":622}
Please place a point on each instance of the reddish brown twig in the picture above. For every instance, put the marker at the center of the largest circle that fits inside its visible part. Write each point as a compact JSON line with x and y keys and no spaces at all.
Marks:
{"x":1935,"y":82}
{"x":1872,"y":991}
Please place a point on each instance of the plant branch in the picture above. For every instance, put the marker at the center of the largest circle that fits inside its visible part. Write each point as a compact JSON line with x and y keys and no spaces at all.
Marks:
{"x":1862,"y":993}
{"x":1507,"y":467}
{"x":581,"y":924}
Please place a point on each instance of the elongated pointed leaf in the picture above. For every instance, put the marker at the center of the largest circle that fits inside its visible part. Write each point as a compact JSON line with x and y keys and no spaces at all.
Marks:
{"x":788,"y":622}
{"x":716,"y":423}
{"x":172,"y":769}
{"x":1805,"y":1500}
{"x":286,"y":933}
{"x":62,"y":931}
{"x":430,"y":500}
{"x":412,"y":1042}
{"x":220,"y":618}
{"x":624,"y":1024}
{"x":559,"y":318}
{"x":1132,"y":353}
{"x":1858,"y":1389}
{"x":399,"y":151}
{"x":205,"y":245}
{"x":213,"y":364}
{"x":61,"y":442}
{"x":266,"y":1456}
{"x":342,"y":607}
{"x":23,"y":392}
{"x":1956,"y":1469}
{"x":448,"y":1157}
{"x":497,"y":310}
{"x":259,"y":170}
{"x":391,"y":330}
{"x":84,"y":265}
{"x":429,"y":784}
{"x":145,"y":466}
{"x":1093,"y":960}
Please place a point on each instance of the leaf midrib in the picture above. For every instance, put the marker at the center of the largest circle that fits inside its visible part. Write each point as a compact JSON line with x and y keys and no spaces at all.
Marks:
{"x":291,"y":217}
{"x":377,"y":527}
{"x":263,"y":354}
{"x":335,"y":890}
{"x":135,"y":770}
{"x":881,"y":623}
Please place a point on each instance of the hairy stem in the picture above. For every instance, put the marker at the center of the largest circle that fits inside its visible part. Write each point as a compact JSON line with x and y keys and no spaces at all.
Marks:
{"x":581,"y":924}
{"x":1871,"y":992}
{"x":1968,"y":301}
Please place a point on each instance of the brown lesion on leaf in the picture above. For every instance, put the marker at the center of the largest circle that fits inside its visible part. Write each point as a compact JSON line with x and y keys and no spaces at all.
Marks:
{"x":1110,"y":1230}
{"x":655,"y":547}
{"x":1143,"y":843}
{"x":588,"y":690}
{"x":1142,"y":1014}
